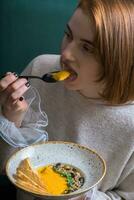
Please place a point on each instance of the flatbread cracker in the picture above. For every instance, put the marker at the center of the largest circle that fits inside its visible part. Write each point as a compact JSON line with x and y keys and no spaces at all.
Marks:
{"x":29,"y":178}
{"x":30,"y":187}
{"x":22,"y":177}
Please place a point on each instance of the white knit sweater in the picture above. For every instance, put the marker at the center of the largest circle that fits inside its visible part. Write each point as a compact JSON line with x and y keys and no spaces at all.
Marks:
{"x":109,"y":130}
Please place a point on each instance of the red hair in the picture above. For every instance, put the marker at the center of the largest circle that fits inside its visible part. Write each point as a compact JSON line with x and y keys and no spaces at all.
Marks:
{"x":114,"y":41}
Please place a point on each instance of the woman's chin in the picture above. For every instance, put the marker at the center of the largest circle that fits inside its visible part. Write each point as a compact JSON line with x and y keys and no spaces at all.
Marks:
{"x":71,"y":84}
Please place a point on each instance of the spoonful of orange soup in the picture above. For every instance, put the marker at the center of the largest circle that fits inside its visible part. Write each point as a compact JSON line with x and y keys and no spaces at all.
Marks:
{"x":51,"y":77}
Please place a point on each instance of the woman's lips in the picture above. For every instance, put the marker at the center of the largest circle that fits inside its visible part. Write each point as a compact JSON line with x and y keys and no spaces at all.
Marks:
{"x":73,"y":74}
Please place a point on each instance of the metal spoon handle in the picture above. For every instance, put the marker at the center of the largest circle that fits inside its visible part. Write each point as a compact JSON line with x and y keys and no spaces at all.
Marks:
{"x":27,"y":77}
{"x":46,"y":77}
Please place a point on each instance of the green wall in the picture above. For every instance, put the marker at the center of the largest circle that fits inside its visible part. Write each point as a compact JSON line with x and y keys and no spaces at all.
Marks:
{"x":30,"y":28}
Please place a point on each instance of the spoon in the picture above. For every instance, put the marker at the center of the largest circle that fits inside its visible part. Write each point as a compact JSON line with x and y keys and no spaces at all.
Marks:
{"x":51,"y":77}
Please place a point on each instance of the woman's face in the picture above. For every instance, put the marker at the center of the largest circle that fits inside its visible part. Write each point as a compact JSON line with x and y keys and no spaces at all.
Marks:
{"x":77,"y":55}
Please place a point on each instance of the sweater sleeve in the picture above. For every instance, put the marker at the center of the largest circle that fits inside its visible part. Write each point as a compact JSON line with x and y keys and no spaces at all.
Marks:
{"x":32,"y":129}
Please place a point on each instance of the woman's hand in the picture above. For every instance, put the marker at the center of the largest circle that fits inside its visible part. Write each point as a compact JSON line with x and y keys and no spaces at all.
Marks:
{"x":12,"y":103}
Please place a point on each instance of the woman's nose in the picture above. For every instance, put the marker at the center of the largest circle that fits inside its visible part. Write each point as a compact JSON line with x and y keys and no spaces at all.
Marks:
{"x":68,"y":52}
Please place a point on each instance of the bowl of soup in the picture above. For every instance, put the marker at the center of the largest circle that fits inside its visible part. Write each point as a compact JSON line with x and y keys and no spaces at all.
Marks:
{"x":56,"y":169}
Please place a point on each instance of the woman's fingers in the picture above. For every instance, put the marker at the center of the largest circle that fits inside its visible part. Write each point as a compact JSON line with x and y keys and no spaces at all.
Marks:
{"x":13,"y":104}
{"x":16,"y":85}
{"x":7,"y":73}
{"x":19,"y":106}
{"x":17,"y":91}
{"x":15,"y":111}
{"x":7,"y":80}
{"x":10,"y":87}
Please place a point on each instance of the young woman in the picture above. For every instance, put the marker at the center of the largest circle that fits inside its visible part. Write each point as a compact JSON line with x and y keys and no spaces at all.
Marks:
{"x":95,"y":105}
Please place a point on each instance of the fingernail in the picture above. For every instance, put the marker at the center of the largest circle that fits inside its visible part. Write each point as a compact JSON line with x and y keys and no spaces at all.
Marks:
{"x":15,"y":74}
{"x":7,"y":73}
{"x":21,"y":98}
{"x":27,"y":84}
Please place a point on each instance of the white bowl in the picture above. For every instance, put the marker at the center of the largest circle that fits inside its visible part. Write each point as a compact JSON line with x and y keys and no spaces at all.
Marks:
{"x":88,"y":161}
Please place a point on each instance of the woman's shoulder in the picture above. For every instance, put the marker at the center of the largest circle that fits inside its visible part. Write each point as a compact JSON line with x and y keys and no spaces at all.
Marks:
{"x":46,"y":58}
{"x":43,"y":64}
{"x":122,"y":118}
{"x":121,"y":113}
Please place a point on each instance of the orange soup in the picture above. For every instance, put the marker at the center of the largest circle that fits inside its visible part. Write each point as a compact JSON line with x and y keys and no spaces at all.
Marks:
{"x":61,"y":178}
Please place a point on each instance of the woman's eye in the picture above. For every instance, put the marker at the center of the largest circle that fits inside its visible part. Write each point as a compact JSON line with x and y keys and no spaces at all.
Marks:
{"x":67,"y":34}
{"x":87,"y":48}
